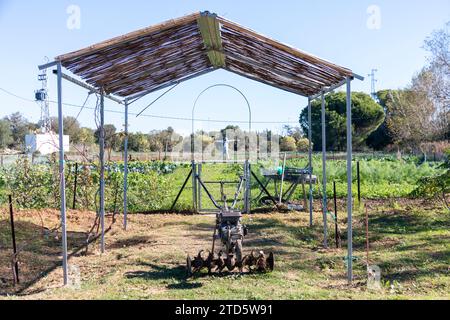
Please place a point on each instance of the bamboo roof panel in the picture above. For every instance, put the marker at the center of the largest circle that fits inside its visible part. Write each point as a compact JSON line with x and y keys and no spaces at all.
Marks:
{"x":173,"y":51}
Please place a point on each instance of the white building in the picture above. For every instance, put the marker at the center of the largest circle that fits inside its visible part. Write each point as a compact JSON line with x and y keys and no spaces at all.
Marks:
{"x":45,"y":143}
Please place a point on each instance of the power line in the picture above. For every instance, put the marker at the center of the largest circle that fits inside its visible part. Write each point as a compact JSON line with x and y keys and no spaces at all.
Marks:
{"x":15,"y":95}
{"x":151,"y":115}
{"x":154,"y":101}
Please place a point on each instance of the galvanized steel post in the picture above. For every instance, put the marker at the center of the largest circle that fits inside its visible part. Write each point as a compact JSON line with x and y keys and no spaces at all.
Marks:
{"x":349,"y":183}
{"x":310,"y":163}
{"x":125,"y":170}
{"x":102,"y":169}
{"x":62,"y":174}
{"x":324,"y":173}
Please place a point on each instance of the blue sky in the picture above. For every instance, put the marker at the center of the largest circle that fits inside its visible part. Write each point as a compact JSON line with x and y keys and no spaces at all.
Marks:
{"x":334,"y":30}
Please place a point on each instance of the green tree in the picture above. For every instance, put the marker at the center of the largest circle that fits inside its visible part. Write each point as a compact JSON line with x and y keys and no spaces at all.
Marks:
{"x":382,"y":137}
{"x":410,"y":119}
{"x":6,"y":136}
{"x":367,"y":116}
{"x":288,"y":144}
{"x":138,"y":142}
{"x":113,"y":141}
{"x":72,"y":128}
{"x":154,"y":142}
{"x":20,"y":127}
{"x":294,"y":132}
{"x":86,"y":138}
{"x":303,"y":145}
{"x":438,"y":86}
{"x":436,"y":186}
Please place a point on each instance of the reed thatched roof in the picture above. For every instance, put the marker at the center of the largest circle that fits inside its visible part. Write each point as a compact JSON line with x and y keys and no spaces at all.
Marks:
{"x":161,"y":55}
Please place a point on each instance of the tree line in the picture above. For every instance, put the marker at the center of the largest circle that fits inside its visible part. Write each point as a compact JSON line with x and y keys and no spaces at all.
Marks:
{"x":415,"y":118}
{"x":411,"y":118}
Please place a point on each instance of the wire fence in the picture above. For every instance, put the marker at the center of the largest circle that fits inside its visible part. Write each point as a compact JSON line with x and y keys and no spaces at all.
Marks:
{"x":154,"y":184}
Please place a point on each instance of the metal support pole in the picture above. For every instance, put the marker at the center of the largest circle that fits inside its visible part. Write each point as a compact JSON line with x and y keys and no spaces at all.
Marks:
{"x":282,"y":180}
{"x":263,"y":187}
{"x":310,"y":164}
{"x":62,"y":175}
{"x":324,"y":173}
{"x":246,"y":186}
{"x":249,"y":187}
{"x":181,"y":190}
{"x":349,"y":183}
{"x":247,"y":168}
{"x":125,"y":171}
{"x":199,"y":190}
{"x":102,"y":170}
{"x":194,"y":186}
{"x":247,"y":173}
{"x":13,"y":236}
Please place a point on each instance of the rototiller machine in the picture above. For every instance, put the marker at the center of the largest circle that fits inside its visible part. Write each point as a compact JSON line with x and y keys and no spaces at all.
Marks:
{"x":231,"y":233}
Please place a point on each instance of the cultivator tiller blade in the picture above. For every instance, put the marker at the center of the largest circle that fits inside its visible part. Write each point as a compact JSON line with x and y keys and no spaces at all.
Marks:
{"x":259,"y":263}
{"x":217,"y":263}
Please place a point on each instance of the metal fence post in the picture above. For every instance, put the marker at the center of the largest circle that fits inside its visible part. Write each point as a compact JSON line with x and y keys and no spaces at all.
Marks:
{"x":310,"y":163}
{"x":349,"y":184}
{"x":102,"y":170}
{"x":125,"y":171}
{"x":194,"y":186}
{"x":199,"y":189}
{"x":62,"y":175}
{"x":324,"y":174}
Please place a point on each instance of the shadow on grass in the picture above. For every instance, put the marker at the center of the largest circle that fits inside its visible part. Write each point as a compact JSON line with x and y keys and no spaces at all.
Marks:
{"x":131,"y":242}
{"x":39,"y":254}
{"x":417,"y":240}
{"x":164,"y":273}
{"x":178,"y":274}
{"x":262,"y":230}
{"x":399,"y":223}
{"x":157,"y":272}
{"x":403,"y":222}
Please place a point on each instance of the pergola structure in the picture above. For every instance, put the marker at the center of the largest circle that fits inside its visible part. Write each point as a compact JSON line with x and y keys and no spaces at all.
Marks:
{"x":129,"y":67}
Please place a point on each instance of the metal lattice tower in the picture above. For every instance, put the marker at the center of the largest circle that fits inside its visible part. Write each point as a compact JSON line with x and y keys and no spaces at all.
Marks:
{"x":41,"y":97}
{"x":373,"y":81}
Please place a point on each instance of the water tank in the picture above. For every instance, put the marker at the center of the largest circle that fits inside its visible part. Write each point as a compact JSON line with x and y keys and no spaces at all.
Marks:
{"x":40,"y":95}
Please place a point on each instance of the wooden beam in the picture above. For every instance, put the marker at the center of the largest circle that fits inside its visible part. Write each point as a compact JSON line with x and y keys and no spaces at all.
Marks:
{"x":210,"y":31}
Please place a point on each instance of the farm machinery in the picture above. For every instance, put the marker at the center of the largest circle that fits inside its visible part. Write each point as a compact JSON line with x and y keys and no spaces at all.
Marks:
{"x":230,"y":231}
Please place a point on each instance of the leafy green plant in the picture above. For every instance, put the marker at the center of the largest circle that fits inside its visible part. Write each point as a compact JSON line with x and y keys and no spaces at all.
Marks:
{"x":153,"y":185}
{"x":437,"y":185}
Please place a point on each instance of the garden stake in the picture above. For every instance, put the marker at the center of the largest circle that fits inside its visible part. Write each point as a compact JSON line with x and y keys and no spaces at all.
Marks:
{"x":75,"y":187}
{"x":359,"y":183}
{"x":13,"y":235}
{"x":367,"y":237}
{"x":336,"y":232}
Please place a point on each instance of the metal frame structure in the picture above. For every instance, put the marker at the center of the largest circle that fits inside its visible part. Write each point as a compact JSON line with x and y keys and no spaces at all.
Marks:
{"x":217,"y":43}
{"x":321,"y":95}
{"x":196,"y":168}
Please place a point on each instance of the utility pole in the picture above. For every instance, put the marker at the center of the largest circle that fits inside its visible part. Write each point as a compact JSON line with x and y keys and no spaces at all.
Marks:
{"x":373,"y":81}
{"x":41,"y":96}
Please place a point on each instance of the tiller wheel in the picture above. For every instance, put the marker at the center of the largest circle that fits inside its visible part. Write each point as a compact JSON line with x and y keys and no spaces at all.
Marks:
{"x":231,"y":232}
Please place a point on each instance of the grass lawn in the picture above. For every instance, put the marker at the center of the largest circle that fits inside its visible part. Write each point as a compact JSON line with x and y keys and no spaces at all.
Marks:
{"x":410,"y":241}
